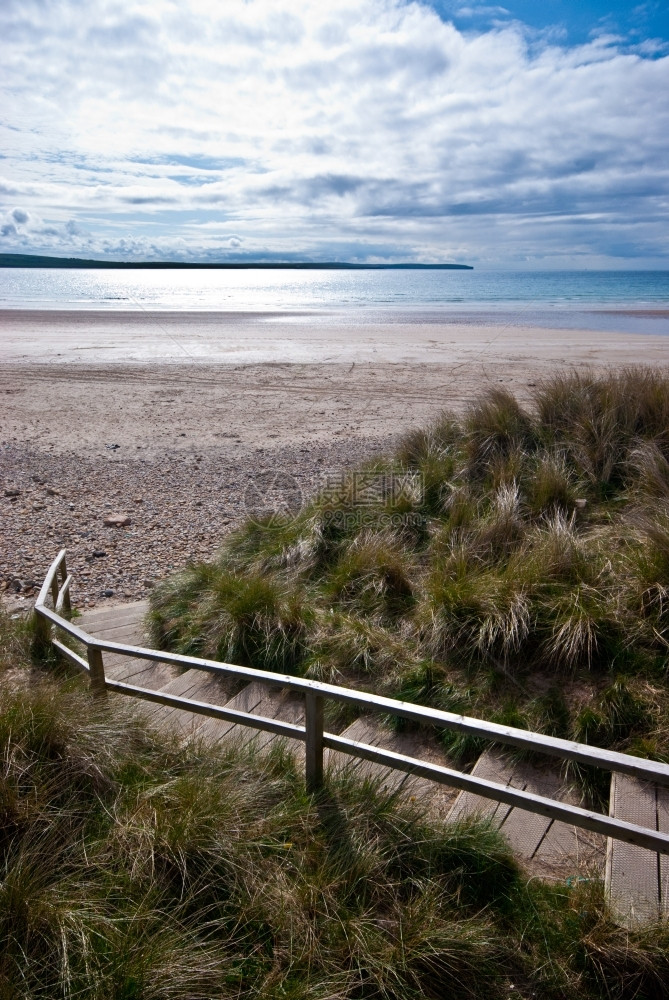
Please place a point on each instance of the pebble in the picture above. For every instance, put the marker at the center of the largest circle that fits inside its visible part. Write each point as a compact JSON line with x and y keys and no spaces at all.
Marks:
{"x":171,"y":527}
{"x":116,"y":521}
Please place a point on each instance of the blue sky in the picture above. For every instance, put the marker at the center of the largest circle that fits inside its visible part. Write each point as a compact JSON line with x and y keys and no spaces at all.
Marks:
{"x":568,"y":22}
{"x":521,"y":134}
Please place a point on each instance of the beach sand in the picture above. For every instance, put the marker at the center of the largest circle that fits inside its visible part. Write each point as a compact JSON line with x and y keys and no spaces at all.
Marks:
{"x":151,"y":382}
{"x":200,"y":403}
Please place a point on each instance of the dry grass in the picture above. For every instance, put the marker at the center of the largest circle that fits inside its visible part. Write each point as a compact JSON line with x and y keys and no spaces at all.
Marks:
{"x":133,"y":867}
{"x":538,"y":545}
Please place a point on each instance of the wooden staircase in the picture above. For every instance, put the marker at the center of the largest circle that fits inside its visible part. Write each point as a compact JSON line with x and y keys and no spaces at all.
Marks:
{"x":637,"y":880}
{"x":546,"y":846}
{"x":126,"y":624}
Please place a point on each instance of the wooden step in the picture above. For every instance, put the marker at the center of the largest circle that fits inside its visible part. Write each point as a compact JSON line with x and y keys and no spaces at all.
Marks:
{"x":258,"y":699}
{"x":546,"y":846}
{"x":196,"y":685}
{"x":124,"y":614}
{"x":126,"y":624}
{"x":637,"y":880}
{"x":372,"y":731}
{"x":143,"y":673}
{"x":254,"y":699}
{"x":130,"y":634}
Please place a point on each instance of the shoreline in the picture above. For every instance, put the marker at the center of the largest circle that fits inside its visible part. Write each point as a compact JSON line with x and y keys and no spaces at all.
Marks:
{"x":306,"y":337}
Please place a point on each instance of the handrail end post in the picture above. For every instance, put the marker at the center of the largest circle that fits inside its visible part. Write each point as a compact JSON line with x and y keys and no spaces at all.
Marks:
{"x":314,"y":704}
{"x":41,"y":643}
{"x":67,"y":603}
{"x":97,"y":671}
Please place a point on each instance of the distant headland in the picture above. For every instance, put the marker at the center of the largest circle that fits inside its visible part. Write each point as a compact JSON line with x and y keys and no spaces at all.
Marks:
{"x":35,"y":260}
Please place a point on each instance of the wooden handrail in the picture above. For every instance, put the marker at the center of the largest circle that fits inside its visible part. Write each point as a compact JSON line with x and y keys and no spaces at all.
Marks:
{"x":49,"y":578}
{"x":524,"y":739}
{"x":316,"y":739}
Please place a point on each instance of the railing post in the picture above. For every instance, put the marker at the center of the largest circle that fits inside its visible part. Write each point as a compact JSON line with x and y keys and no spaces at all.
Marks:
{"x":67,"y":605}
{"x":42,"y":635}
{"x":314,"y":747}
{"x":97,"y":670}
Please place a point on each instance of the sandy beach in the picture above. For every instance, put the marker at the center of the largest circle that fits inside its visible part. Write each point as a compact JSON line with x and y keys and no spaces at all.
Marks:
{"x":168,"y":417}
{"x":151,"y":382}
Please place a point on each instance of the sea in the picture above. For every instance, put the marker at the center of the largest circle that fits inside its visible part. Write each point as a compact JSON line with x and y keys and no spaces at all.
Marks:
{"x":625,"y":301}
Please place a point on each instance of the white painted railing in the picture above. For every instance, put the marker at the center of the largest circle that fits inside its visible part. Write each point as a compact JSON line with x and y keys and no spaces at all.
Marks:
{"x":316,"y":740}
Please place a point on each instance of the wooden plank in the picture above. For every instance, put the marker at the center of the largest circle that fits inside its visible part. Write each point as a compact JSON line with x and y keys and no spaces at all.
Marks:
{"x":197,"y":686}
{"x":125,"y":624}
{"x":532,"y":836}
{"x":247,"y":700}
{"x":282,"y":705}
{"x":132,"y":633}
{"x":257,"y":700}
{"x":632,"y":873}
{"x":371,"y":731}
{"x":525,"y":830}
{"x":124,"y":614}
{"x":652,"y":840}
{"x":663,"y":825}
{"x":135,"y":610}
{"x":145,"y":673}
{"x":334,"y":761}
{"x":409,"y":744}
{"x":213,"y":711}
{"x":429,"y":796}
{"x":568,"y":849}
{"x":493,"y":765}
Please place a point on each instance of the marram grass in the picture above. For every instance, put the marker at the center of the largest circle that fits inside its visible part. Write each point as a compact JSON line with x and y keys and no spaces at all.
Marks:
{"x":516,"y":550}
{"x":133,"y":867}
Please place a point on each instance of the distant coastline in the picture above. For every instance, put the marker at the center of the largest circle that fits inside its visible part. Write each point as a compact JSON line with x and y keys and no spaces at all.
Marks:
{"x":34,"y":260}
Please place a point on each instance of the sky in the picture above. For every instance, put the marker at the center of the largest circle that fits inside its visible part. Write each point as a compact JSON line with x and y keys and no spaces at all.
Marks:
{"x":529,"y":134}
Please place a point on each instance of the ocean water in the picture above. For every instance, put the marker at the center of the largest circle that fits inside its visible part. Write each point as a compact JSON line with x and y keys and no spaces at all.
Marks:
{"x":615,"y":300}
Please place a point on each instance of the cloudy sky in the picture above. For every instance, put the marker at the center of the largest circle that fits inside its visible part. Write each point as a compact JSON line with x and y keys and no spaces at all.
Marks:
{"x":528,"y":134}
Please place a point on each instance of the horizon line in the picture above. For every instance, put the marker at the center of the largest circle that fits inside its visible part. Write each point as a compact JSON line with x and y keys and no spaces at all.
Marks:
{"x":45,"y":260}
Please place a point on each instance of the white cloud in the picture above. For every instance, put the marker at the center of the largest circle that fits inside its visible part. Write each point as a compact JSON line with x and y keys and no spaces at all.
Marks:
{"x":482,"y":11}
{"x":318,"y":127}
